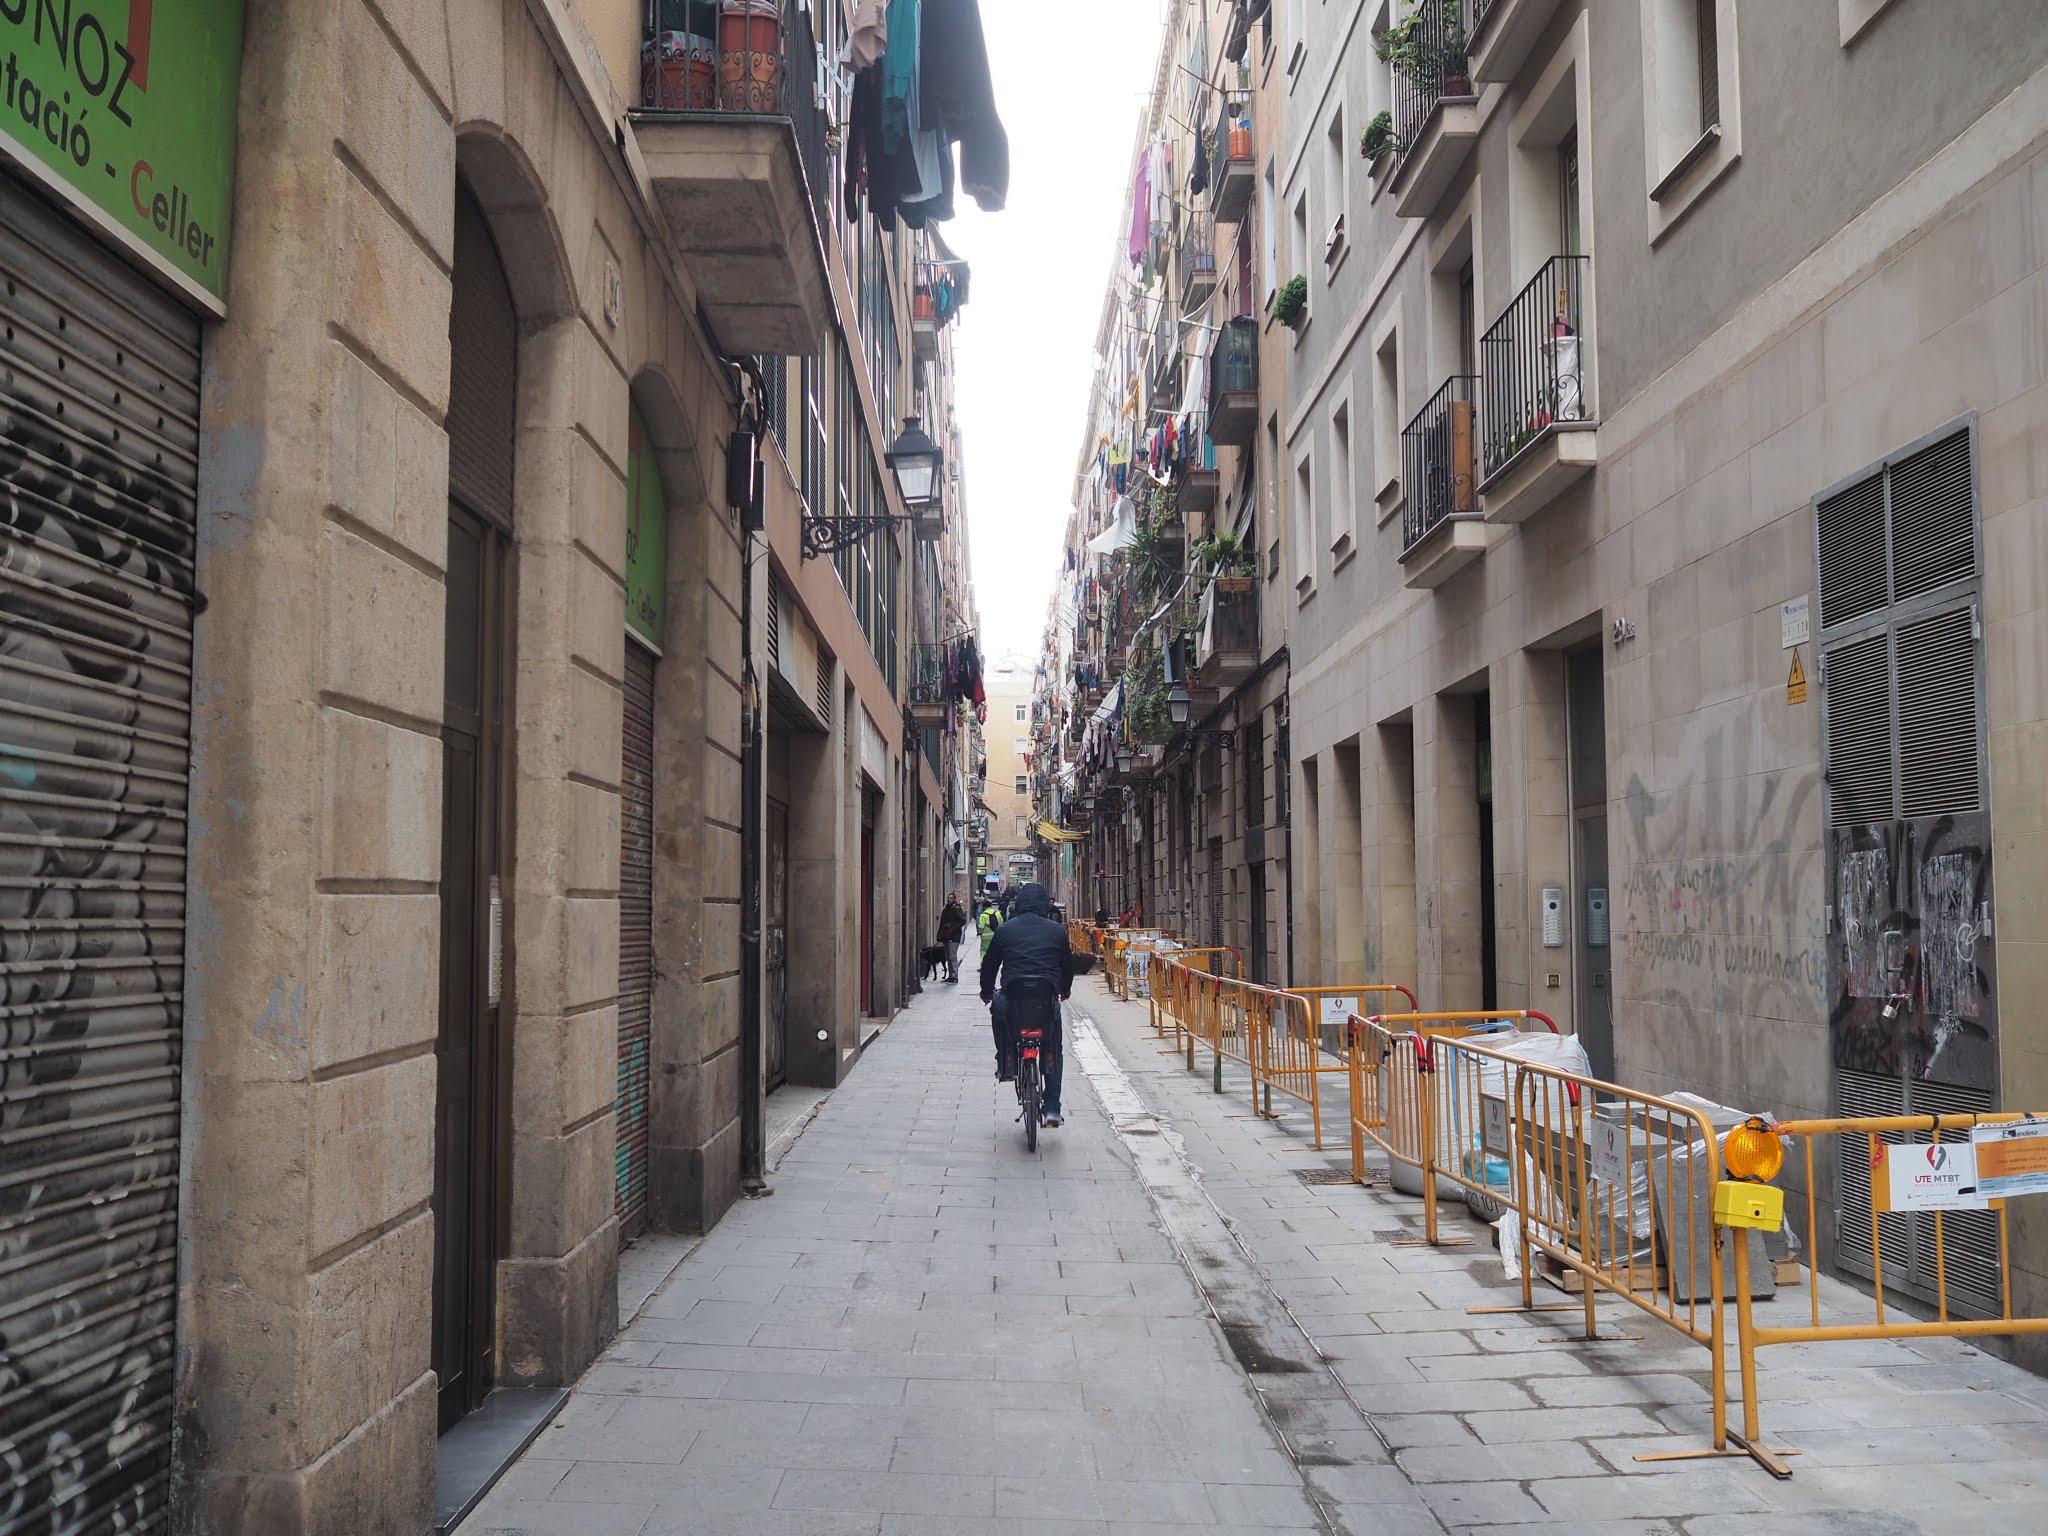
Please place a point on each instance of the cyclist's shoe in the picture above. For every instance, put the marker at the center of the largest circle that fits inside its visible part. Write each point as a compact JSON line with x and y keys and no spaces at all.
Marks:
{"x":1051,"y":1122}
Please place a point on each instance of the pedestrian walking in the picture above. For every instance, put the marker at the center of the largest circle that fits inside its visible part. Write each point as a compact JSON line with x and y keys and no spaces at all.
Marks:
{"x":989,"y":921}
{"x":952,"y":929}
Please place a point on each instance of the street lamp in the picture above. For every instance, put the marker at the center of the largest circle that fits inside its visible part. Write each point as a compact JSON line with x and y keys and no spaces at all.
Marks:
{"x":915,"y":462}
{"x":1125,"y":757}
{"x":1177,"y":702}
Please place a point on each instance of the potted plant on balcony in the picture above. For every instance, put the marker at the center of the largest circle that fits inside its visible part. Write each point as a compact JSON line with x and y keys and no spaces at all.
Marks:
{"x":1428,"y":55}
{"x":1229,"y":561}
{"x":1290,"y":303}
{"x":1378,"y":137}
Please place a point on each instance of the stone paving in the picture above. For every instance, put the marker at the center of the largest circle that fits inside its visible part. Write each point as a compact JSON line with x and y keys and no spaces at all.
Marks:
{"x":1157,"y":1325}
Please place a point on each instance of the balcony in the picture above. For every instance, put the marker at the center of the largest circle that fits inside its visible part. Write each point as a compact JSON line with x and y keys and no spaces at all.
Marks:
{"x":1198,"y":263}
{"x":1502,"y":33}
{"x":924,"y":326}
{"x":1436,"y":113}
{"x":1232,"y":175}
{"x":1227,"y":646}
{"x":1234,"y":383}
{"x":930,"y":691}
{"x":734,"y":143}
{"x":1441,"y":531}
{"x":1540,"y":433}
{"x":1199,"y":480}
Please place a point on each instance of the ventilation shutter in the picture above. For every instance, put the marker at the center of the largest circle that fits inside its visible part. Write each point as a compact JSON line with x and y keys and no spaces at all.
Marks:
{"x":1852,"y":553}
{"x":99,"y":430}
{"x":774,"y":623}
{"x":1710,"y":63}
{"x":636,"y":939}
{"x":481,"y":401}
{"x":1938,"y":736}
{"x":1934,"y":538}
{"x":825,"y":689}
{"x":1857,"y":690}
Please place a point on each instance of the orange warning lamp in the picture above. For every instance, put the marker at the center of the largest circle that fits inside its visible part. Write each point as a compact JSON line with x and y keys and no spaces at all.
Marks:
{"x":1753,"y":1151}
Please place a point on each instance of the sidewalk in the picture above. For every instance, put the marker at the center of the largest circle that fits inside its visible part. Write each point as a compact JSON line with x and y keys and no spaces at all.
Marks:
{"x":1502,"y":1430}
{"x":927,"y":1331}
{"x":1158,"y":1325}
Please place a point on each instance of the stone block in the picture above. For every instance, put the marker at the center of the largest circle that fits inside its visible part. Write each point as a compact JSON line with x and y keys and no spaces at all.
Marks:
{"x":2012,"y":453}
{"x":373,"y":1149}
{"x":591,"y":854}
{"x":376,"y":980}
{"x":2015,"y":681}
{"x":2015,"y":561}
{"x":1965,"y":263}
{"x":590,"y":946}
{"x":597,"y":615}
{"x":398,"y":133}
{"x":722,"y":798}
{"x":559,"y":1313}
{"x":380,"y":813}
{"x":599,"y":496}
{"x":602,"y":398}
{"x":595,"y":720}
{"x":590,"y":1063}
{"x":388,"y":463}
{"x":389,"y":293}
{"x":368,"y":1333}
{"x":2018,"y":788}
{"x":477,"y":68}
{"x":386,"y":625}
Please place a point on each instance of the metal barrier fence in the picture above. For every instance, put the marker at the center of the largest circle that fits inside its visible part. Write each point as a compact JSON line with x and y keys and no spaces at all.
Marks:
{"x":1942,"y":1183}
{"x":1389,"y":1106}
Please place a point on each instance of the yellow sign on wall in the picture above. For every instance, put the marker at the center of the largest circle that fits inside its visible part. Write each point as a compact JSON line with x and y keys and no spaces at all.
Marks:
{"x":1795,"y":684}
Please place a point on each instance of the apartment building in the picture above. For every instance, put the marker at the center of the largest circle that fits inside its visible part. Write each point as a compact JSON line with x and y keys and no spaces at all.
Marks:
{"x":1664,"y":575}
{"x":1162,"y":710}
{"x":388,"y":441}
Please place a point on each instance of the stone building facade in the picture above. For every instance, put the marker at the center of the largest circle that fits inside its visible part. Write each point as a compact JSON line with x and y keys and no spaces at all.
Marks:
{"x":1189,"y":829}
{"x":1666,"y":607}
{"x":405,"y":506}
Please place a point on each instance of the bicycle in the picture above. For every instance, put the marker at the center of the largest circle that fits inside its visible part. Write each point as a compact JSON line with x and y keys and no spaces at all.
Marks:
{"x":1030,"y":1086}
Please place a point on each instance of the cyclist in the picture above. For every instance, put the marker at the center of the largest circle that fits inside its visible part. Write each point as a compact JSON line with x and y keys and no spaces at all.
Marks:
{"x":1030,"y":955}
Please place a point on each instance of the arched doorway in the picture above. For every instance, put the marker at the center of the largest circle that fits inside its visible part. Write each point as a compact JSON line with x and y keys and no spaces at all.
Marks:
{"x":471,"y":1164}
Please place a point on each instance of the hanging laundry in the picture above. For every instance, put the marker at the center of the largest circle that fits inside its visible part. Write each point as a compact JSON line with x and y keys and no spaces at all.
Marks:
{"x":868,"y":35}
{"x":902,"y":122}
{"x":1141,"y":211}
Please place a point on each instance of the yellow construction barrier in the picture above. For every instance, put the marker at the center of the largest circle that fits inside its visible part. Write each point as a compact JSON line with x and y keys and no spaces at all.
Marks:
{"x":1388,"y":1103}
{"x":1933,"y":1175}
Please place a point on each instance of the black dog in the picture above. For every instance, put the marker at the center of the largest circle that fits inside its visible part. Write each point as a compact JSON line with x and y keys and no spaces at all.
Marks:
{"x":933,"y":957}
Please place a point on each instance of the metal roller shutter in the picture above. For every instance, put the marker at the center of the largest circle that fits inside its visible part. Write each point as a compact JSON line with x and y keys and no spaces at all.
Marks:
{"x":636,"y":937}
{"x":99,"y":405}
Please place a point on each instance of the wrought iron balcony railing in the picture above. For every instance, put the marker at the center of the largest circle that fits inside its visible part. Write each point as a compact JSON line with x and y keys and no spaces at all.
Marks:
{"x":1234,"y":383}
{"x":1536,"y":363}
{"x":1433,"y":67}
{"x":748,"y":57}
{"x":1437,"y":462}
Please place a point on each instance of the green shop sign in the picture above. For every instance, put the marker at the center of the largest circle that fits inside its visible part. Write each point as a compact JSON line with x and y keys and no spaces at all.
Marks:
{"x":646,"y":536}
{"x":132,"y":123}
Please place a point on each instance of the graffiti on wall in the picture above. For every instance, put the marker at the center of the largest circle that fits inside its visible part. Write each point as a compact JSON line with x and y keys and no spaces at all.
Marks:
{"x":1911,"y":950}
{"x":95,"y":658}
{"x":1722,"y":897}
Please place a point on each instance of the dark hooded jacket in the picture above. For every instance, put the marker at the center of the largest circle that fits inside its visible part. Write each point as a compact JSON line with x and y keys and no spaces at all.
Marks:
{"x":1030,"y":950}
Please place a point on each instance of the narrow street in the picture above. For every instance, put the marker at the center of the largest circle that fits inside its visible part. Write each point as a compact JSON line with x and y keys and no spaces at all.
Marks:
{"x":1168,"y":1321}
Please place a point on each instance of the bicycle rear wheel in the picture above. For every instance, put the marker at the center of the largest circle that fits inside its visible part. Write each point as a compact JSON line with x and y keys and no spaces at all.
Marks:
{"x":1032,"y":1097}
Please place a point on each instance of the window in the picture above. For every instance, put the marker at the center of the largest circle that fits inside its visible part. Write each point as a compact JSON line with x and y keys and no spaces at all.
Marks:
{"x":1691,"y":102}
{"x":1023,"y":826}
{"x":1706,"y":34}
{"x":1343,"y":483}
{"x":1386,"y":413}
{"x":1297,"y":255}
{"x":1269,"y":227}
{"x":1304,"y":522}
{"x":1023,"y":746}
{"x":1023,"y":785}
{"x":1255,"y":774}
{"x":1271,"y":461}
{"x":1022,"y":711}
{"x":1569,"y":237}
{"x":1336,"y":195}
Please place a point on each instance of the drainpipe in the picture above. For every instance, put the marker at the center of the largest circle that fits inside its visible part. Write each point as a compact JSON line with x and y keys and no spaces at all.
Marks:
{"x":753,"y":1143}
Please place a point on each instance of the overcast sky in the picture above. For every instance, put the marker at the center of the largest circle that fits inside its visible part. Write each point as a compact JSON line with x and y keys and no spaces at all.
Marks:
{"x":1070,"y":96}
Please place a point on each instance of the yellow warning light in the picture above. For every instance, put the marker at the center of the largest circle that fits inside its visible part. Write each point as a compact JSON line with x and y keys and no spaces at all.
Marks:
{"x":1753,"y":1151}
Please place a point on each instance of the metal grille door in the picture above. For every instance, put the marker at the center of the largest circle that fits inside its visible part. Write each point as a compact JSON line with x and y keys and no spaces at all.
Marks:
{"x":99,"y":405}
{"x":636,"y":937}
{"x":1911,"y":965}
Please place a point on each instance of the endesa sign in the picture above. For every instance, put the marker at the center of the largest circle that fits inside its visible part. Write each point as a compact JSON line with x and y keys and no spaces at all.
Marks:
{"x":126,"y":109}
